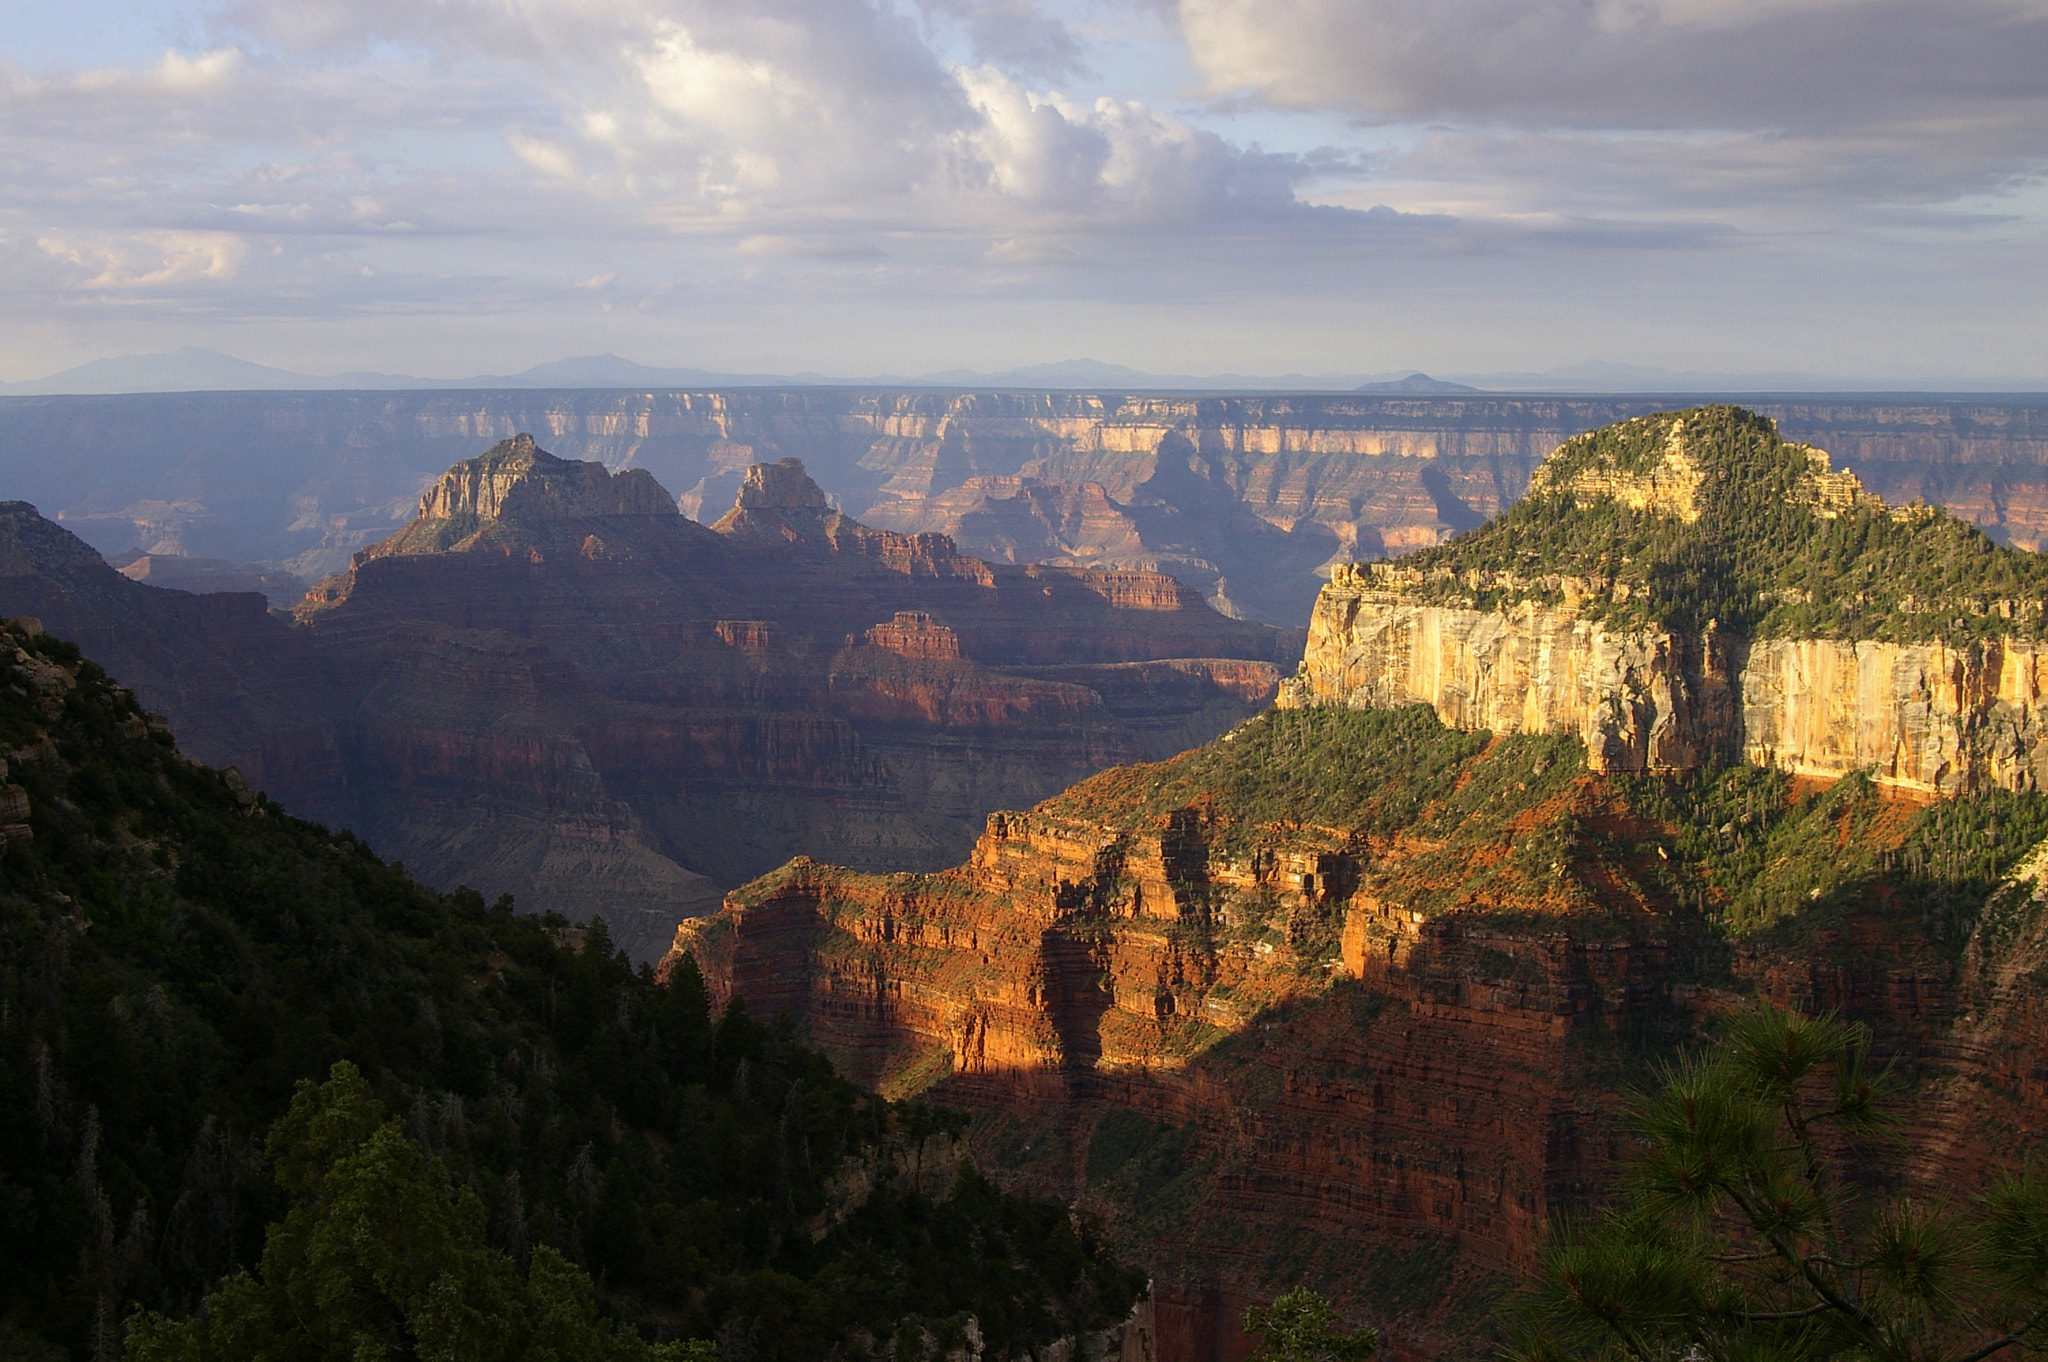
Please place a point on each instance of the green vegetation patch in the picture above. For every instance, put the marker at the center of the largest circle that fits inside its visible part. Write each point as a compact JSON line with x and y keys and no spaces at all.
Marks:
{"x":1333,"y":769}
{"x":1156,"y":1173}
{"x":1757,"y":860}
{"x":1759,"y":559}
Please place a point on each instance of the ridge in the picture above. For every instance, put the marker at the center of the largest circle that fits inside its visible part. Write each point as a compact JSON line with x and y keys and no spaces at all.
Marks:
{"x":516,"y":495}
{"x":1689,"y":587}
{"x":1707,"y":515}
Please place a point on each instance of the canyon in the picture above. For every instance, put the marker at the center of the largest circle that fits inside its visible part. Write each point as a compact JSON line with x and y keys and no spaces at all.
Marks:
{"x":552,"y":684}
{"x":1353,"y":996}
{"x":1350,"y":995}
{"x":1249,"y":499}
{"x":1380,"y":1053}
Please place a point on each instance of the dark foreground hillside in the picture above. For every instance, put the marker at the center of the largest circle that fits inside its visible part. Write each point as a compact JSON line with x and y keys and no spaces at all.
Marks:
{"x":176,"y":955}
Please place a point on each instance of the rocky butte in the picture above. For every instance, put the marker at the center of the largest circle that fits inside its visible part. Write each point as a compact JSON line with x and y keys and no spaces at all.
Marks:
{"x":1730,"y":593}
{"x":551,"y":683}
{"x":1351,"y":995}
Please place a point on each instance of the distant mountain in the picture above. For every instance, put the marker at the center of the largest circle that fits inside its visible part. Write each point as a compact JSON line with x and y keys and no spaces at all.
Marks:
{"x":190,"y":369}
{"x":1597,"y":376}
{"x":1415,"y":383}
{"x":610,"y":371}
{"x":1094,"y":373}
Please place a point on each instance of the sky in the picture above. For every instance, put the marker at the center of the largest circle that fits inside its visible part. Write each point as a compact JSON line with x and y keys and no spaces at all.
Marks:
{"x":847,"y":187}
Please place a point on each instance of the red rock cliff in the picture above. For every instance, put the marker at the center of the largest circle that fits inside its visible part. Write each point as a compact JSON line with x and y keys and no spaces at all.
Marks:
{"x":1378,"y":1053}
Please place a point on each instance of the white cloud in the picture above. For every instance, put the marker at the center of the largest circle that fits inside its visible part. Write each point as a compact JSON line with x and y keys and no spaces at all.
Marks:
{"x":146,"y":260}
{"x":758,"y":163}
{"x":175,"y":74}
{"x":549,"y":158}
{"x":1113,"y":161}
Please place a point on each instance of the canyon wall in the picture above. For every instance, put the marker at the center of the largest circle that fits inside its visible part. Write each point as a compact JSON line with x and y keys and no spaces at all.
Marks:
{"x":1246,"y":498}
{"x":1920,"y":716}
{"x":552,"y":684}
{"x":1381,"y":1058}
{"x":1257,"y":1054}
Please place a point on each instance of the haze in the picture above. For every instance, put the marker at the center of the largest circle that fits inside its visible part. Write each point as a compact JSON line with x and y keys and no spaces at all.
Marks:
{"x":448,"y":187}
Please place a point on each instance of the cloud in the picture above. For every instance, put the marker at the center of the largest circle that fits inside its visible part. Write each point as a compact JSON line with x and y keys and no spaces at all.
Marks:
{"x":760,"y":163}
{"x":549,"y":158}
{"x":1779,"y":64}
{"x":1015,"y":36}
{"x":1767,"y":117}
{"x":146,"y":260}
{"x":175,"y":74}
{"x":1113,"y":161}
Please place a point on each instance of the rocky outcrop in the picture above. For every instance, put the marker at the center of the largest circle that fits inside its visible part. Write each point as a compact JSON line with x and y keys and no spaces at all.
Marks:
{"x":1147,"y":1026}
{"x":1247,"y":499}
{"x":1922,"y":716}
{"x":518,"y":480}
{"x":1511,"y":651}
{"x":1646,"y":700}
{"x":551,"y":684}
{"x":1382,"y":1058}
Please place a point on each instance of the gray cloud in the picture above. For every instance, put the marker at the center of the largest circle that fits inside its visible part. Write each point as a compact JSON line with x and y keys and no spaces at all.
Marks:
{"x":825,"y":167}
{"x":1016,"y":36}
{"x":1721,"y":104}
{"x":1795,"y":65}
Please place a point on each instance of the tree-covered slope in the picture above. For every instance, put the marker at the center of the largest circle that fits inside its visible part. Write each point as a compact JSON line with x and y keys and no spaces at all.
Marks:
{"x":1702,"y":515}
{"x":176,"y":955}
{"x":1440,"y":820}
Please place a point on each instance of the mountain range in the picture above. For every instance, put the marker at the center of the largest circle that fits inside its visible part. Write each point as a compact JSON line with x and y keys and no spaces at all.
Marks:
{"x":194,"y":369}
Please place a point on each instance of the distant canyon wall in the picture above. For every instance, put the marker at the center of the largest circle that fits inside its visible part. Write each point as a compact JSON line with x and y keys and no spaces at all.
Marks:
{"x":1247,"y":498}
{"x":1920,"y":716}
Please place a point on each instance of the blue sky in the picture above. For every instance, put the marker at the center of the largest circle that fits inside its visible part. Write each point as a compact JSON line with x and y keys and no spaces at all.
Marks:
{"x":446,"y":187}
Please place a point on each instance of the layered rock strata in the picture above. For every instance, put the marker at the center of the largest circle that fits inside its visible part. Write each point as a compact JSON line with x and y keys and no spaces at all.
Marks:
{"x":1550,"y":658}
{"x":1142,"y":1011}
{"x":551,"y":683}
{"x":1922,"y":716}
{"x":1640,"y":700}
{"x":1404,"y":1106}
{"x":1246,"y":498}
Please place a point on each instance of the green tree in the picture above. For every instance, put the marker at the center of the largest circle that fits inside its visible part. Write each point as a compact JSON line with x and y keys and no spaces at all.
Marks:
{"x":1302,"y":1327}
{"x":1754,"y":1225}
{"x":378,"y":1258}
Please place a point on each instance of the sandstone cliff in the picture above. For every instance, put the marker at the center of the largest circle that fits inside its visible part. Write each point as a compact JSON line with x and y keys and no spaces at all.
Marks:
{"x":1608,"y":647}
{"x":1261,"y":1048}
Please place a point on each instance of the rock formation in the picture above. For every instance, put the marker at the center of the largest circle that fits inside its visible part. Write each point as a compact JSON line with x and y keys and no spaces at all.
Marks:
{"x":1935,"y":713}
{"x":1352,"y":999}
{"x":551,"y":683}
{"x":1244,"y":498}
{"x":1353,"y":995}
{"x":1230,"y":1039}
